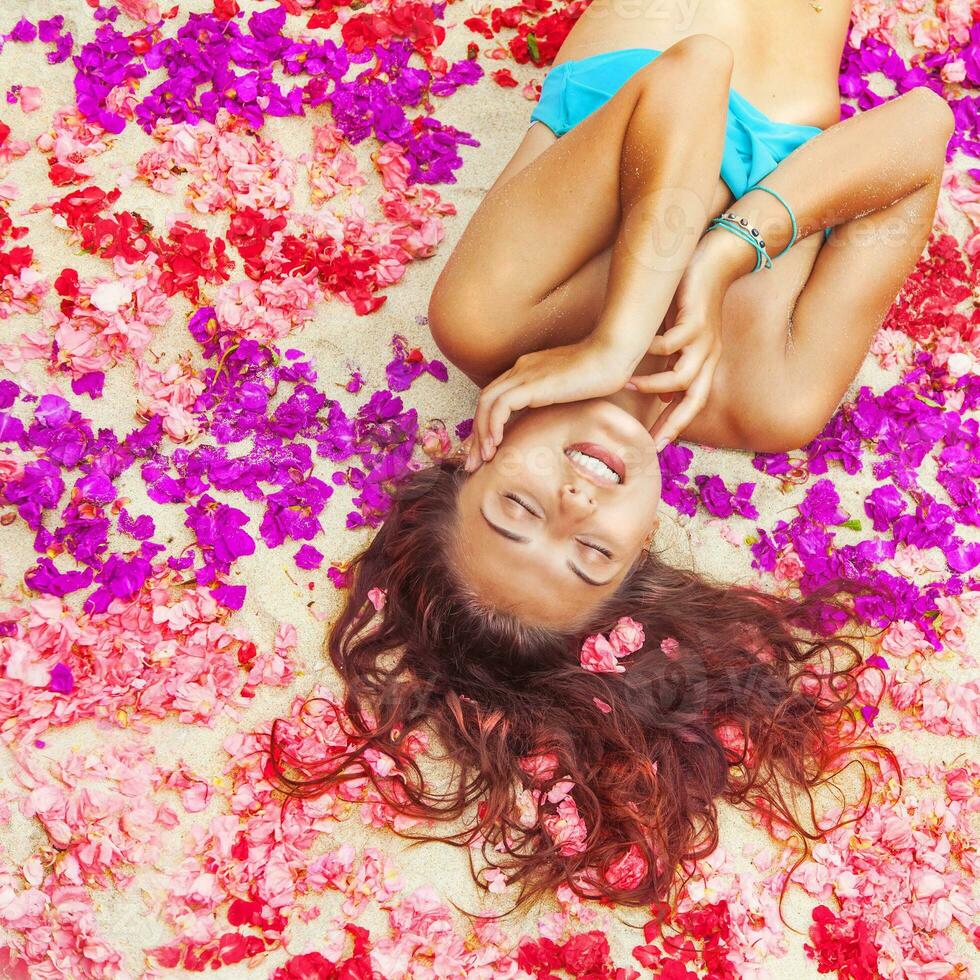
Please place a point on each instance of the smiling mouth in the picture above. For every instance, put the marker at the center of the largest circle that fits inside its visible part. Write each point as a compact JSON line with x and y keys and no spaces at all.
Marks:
{"x":596,"y":463}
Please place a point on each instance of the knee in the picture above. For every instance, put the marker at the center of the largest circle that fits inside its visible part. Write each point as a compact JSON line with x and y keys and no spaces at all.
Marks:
{"x":705,"y":51}
{"x":464,"y":338}
{"x":931,"y":113}
{"x":787,"y":428}
{"x":446,"y":321}
{"x":700,"y":64}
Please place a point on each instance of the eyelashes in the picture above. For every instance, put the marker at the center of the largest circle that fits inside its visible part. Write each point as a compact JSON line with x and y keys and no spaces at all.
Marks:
{"x":517,"y":500}
{"x":595,"y":547}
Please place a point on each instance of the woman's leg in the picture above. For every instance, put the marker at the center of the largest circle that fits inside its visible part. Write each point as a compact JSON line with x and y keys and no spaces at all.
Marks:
{"x":780,"y":390}
{"x":793,"y":344}
{"x":533,"y":231}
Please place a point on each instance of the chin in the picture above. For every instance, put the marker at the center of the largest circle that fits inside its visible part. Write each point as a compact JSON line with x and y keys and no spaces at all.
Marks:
{"x":619,"y":422}
{"x":609,"y":425}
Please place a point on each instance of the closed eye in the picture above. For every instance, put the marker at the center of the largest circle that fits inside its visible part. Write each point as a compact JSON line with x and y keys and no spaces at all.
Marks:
{"x":517,"y":500}
{"x":596,"y":547}
{"x":511,"y":536}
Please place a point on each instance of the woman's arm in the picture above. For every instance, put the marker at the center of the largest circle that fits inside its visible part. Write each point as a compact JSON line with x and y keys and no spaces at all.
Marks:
{"x":881,"y":200}
{"x":856,"y":167}
{"x":666,"y":192}
{"x":666,"y":164}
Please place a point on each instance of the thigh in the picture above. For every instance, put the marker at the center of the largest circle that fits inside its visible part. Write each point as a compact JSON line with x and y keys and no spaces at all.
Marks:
{"x":536,"y":140}
{"x":857,"y":277}
{"x":550,"y":211}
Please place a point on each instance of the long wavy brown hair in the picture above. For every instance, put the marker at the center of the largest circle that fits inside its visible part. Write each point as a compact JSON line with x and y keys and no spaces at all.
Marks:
{"x":648,"y":764}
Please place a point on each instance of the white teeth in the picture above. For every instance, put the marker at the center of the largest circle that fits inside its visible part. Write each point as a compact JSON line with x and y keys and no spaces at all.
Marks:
{"x":594,"y":465}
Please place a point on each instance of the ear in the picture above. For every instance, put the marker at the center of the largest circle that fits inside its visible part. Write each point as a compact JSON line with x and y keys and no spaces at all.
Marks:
{"x":463,"y":449}
{"x":651,"y":534}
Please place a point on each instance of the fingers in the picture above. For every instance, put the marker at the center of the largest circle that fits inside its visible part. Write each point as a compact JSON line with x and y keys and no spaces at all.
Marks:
{"x":494,"y":406}
{"x":679,"y":378}
{"x":510,"y":401}
{"x":472,"y":460}
{"x":666,"y":396}
{"x":476,"y":453}
{"x":679,"y":336}
{"x":652,"y":384}
{"x":478,"y":432}
{"x":675,"y":418}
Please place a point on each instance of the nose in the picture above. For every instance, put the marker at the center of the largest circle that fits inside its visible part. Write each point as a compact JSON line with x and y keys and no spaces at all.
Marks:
{"x":576,"y":500}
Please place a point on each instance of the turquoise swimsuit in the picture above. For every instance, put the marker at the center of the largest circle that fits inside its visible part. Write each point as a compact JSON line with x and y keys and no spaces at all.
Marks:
{"x":754,"y":143}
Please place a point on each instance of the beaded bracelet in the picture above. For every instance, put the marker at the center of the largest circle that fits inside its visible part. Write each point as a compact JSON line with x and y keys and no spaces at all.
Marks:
{"x":740,"y":226}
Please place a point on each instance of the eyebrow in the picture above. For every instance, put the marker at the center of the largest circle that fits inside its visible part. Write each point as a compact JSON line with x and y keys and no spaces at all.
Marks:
{"x":510,"y":535}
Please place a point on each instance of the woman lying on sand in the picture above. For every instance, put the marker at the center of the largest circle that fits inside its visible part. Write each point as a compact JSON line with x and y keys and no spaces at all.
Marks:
{"x":687,"y":242}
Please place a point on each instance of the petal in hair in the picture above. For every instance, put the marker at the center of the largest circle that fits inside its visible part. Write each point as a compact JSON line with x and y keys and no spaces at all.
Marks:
{"x":496,"y":881}
{"x":540,"y":767}
{"x":567,"y":828}
{"x":627,"y":636}
{"x":599,"y":656}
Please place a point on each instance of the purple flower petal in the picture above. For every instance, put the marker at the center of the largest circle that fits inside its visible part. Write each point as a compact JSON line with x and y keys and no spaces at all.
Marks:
{"x":62,"y":680}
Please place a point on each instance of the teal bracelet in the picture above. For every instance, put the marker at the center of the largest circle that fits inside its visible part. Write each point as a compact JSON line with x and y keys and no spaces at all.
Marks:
{"x":792,"y":217}
{"x":741,"y":227}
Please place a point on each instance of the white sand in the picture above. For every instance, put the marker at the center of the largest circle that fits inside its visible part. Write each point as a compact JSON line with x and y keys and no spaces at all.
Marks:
{"x":277,"y":590}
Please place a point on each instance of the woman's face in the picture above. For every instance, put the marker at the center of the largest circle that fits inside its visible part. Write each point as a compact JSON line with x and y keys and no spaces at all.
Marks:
{"x":553,"y":523}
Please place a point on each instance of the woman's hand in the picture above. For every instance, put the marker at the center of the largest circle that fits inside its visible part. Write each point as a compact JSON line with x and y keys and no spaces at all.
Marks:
{"x":692,"y":344}
{"x":590,"y":368}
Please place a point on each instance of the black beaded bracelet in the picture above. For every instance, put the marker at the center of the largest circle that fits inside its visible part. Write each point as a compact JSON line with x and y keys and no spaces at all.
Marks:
{"x":743,"y":228}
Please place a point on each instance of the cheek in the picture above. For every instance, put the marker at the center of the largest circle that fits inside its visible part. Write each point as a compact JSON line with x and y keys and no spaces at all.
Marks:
{"x":521,"y":460}
{"x":541,"y":429}
{"x":641,"y":511}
